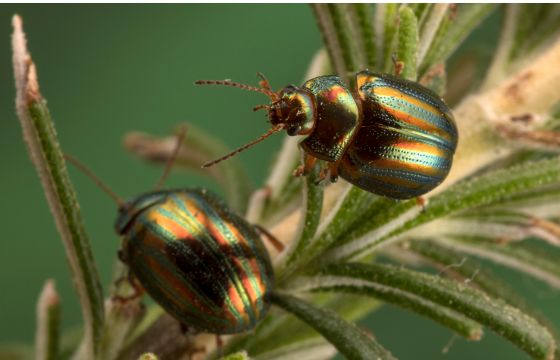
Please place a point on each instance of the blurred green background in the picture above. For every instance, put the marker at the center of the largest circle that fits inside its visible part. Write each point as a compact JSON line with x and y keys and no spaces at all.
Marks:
{"x":106,"y":70}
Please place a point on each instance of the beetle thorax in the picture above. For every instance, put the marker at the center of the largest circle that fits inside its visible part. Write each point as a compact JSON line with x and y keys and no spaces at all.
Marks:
{"x":130,"y":210}
{"x":295,"y":110}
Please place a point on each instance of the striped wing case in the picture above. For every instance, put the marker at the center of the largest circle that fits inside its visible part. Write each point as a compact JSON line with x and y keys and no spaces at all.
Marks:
{"x":406,"y":141}
{"x":201,"y":262}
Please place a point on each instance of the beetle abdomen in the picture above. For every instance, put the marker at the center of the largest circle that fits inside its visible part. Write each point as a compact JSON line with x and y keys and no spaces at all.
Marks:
{"x":202,"y":263}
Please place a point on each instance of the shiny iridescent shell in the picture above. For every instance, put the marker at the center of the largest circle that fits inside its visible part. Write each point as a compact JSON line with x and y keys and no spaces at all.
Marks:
{"x":202,"y":263}
{"x":405,"y":145}
{"x":391,"y":136}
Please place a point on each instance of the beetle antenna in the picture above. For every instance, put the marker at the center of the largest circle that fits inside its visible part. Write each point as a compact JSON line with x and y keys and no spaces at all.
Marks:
{"x":106,"y":189}
{"x":248,"y":145}
{"x":264,"y":81}
{"x":171,"y":160}
{"x":263,"y":90}
{"x":260,"y":107}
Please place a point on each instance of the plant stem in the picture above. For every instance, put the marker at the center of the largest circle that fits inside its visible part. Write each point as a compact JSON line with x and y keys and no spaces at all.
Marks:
{"x":42,"y":143}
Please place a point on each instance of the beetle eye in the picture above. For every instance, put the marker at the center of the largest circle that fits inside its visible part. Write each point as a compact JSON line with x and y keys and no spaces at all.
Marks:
{"x":293,"y":130}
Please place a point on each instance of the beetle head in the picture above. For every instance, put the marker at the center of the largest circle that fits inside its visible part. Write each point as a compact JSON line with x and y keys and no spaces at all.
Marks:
{"x":294,"y":111}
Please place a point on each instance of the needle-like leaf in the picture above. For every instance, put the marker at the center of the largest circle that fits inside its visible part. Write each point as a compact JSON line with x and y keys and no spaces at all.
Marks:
{"x":41,"y":140}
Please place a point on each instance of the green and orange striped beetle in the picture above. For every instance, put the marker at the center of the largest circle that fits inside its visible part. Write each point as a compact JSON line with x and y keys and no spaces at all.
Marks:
{"x":391,"y":136}
{"x":202,"y":263}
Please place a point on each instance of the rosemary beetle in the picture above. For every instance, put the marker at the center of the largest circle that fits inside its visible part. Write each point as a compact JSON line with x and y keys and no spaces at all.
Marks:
{"x":201,"y":262}
{"x":390,"y":136}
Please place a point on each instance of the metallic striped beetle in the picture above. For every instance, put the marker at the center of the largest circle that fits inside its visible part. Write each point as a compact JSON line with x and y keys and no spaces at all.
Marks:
{"x":391,"y":136}
{"x":202,"y":263}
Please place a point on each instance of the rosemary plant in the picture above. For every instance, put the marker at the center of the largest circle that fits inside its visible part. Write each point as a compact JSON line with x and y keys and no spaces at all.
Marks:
{"x":349,"y":251}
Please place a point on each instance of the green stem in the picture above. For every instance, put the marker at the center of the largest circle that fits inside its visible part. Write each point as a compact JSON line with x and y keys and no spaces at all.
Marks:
{"x":42,"y":143}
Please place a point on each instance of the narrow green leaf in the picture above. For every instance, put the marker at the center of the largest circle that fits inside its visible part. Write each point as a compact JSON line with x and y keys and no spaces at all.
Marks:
{"x":501,"y":224}
{"x":340,"y":219}
{"x":268,"y":335}
{"x":457,"y":263}
{"x":527,"y":19}
{"x":344,"y":35}
{"x":507,"y":321}
{"x":366,"y":28}
{"x":502,"y":56}
{"x":443,"y":315}
{"x":540,"y":202}
{"x":331,"y":40}
{"x":453,"y":30}
{"x":350,"y":341}
{"x":407,"y":48}
{"x":279,"y":332}
{"x":42,"y":143}
{"x":523,"y":257}
{"x":281,"y":186}
{"x":287,"y":201}
{"x":313,"y":204}
{"x":429,"y":23}
{"x":421,"y":10}
{"x":47,"y":336}
{"x":387,"y":16}
{"x":526,"y":27}
{"x":400,"y":217}
{"x":538,"y":24}
{"x":450,"y":261}
{"x":198,"y":148}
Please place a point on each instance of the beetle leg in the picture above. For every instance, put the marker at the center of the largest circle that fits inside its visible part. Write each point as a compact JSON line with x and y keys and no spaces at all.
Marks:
{"x":308,"y":164}
{"x":322,"y":175}
{"x":138,"y":289}
{"x":333,"y":170}
{"x":271,"y":238}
